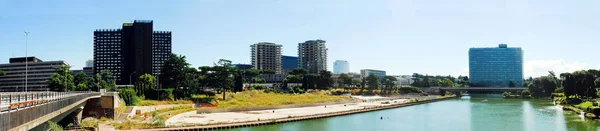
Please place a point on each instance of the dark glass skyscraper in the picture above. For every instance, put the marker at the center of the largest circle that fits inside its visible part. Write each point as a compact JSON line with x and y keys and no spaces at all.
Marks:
{"x":496,"y":67}
{"x":288,"y":63}
{"x":132,"y":51}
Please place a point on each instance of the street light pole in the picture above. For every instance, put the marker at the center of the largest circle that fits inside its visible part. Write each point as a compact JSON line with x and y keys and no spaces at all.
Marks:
{"x":26,"y":59}
{"x":130,"y":77}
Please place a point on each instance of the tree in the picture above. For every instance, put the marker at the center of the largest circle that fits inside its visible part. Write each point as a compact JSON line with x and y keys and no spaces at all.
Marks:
{"x":356,"y":82}
{"x":268,"y":71}
{"x":426,"y":82}
{"x":301,"y":72}
{"x":543,"y":86}
{"x":446,"y":83}
{"x":251,"y":73}
{"x":221,"y":76}
{"x":188,"y":82}
{"x":128,"y":96}
{"x":144,"y":84}
{"x":463,"y":81}
{"x":389,"y":82}
{"x":324,"y":80}
{"x":310,"y":81}
{"x":293,"y":79}
{"x":173,"y":71}
{"x":568,"y":84}
{"x":2,"y":73}
{"x":81,"y":80}
{"x":298,"y":71}
{"x":373,"y":82}
{"x":61,"y":80}
{"x":81,"y":87}
{"x":597,"y":82}
{"x":107,"y":81}
{"x":345,"y":80}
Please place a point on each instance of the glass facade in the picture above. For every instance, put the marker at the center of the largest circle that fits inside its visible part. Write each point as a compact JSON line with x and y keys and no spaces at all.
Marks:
{"x":379,"y":73}
{"x":341,"y":66}
{"x":496,"y":67}
{"x":288,"y":63}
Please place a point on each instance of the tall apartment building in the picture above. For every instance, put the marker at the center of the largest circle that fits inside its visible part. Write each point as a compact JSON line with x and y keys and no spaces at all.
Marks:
{"x":266,"y":56}
{"x":312,"y":55}
{"x":288,"y":63}
{"x":341,"y":66}
{"x":496,"y":67}
{"x":38,"y":72}
{"x":134,"y":50}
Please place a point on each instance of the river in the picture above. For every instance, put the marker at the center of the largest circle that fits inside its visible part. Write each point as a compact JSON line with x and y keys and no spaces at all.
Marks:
{"x":469,"y":113}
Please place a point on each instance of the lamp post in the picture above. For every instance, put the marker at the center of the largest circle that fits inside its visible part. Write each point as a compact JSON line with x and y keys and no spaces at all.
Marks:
{"x":130,"y":77}
{"x":26,"y":59}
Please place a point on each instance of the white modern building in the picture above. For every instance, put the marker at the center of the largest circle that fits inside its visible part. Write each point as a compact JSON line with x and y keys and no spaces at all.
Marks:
{"x":341,"y":66}
{"x":403,"y":80}
{"x":89,"y":63}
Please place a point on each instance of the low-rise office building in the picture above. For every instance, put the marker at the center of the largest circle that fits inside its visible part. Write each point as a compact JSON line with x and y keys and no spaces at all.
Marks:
{"x":88,"y":71}
{"x":38,"y":72}
{"x":379,"y":73}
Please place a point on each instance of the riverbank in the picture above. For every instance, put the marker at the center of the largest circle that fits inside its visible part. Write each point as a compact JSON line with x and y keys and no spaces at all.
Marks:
{"x":263,"y":117}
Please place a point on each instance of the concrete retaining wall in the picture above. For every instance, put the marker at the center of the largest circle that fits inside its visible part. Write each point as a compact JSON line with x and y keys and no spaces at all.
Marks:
{"x":299,"y":118}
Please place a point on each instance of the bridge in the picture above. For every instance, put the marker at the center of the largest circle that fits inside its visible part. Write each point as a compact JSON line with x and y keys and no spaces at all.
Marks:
{"x":32,"y":110}
{"x":482,"y":89}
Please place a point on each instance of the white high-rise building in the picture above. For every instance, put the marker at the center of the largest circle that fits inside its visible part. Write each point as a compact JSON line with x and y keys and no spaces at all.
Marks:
{"x":341,"y":66}
{"x":89,"y":63}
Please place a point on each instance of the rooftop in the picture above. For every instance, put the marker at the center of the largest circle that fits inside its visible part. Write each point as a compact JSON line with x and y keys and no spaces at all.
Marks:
{"x":23,"y":59}
{"x":499,"y":46}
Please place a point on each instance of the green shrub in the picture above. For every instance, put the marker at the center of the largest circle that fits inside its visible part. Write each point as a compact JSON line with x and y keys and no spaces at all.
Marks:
{"x":559,"y":90}
{"x":129,"y":96}
{"x":449,"y":93}
{"x":409,"y":90}
{"x":586,"y":106}
{"x":574,"y":96}
{"x":54,"y":126}
{"x":202,"y":98}
{"x":269,"y":90}
{"x":296,"y":89}
{"x":560,"y":100}
{"x":506,"y":94}
{"x":256,"y":87}
{"x":525,"y":94}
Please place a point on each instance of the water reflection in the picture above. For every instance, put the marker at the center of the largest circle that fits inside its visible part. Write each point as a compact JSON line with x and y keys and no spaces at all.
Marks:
{"x":475,"y":112}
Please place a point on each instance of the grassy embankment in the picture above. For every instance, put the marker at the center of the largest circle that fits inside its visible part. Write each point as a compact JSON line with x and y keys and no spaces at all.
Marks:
{"x":258,"y":98}
{"x":585,"y":106}
{"x":245,"y":99}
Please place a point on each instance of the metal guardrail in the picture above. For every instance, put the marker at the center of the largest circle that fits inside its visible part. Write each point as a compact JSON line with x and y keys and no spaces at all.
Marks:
{"x":17,"y":108}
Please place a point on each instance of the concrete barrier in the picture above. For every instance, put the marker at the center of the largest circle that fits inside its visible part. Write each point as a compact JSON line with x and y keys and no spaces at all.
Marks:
{"x":298,"y":118}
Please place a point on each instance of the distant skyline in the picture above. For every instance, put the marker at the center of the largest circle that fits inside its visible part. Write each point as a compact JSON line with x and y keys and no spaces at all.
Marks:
{"x":398,"y":36}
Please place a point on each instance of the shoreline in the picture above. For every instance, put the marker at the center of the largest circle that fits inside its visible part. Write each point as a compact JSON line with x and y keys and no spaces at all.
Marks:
{"x":231,"y":125}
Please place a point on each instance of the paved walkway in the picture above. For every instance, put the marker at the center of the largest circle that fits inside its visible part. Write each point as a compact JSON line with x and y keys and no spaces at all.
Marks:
{"x":192,"y":118}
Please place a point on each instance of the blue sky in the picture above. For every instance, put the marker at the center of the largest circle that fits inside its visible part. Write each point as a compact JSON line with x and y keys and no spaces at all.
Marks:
{"x":399,"y":36}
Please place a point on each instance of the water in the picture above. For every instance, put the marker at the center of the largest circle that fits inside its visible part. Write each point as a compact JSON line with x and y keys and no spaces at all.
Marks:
{"x":469,"y":113}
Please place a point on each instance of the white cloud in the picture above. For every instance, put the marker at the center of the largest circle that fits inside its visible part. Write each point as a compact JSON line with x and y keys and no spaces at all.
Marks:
{"x":536,"y":68}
